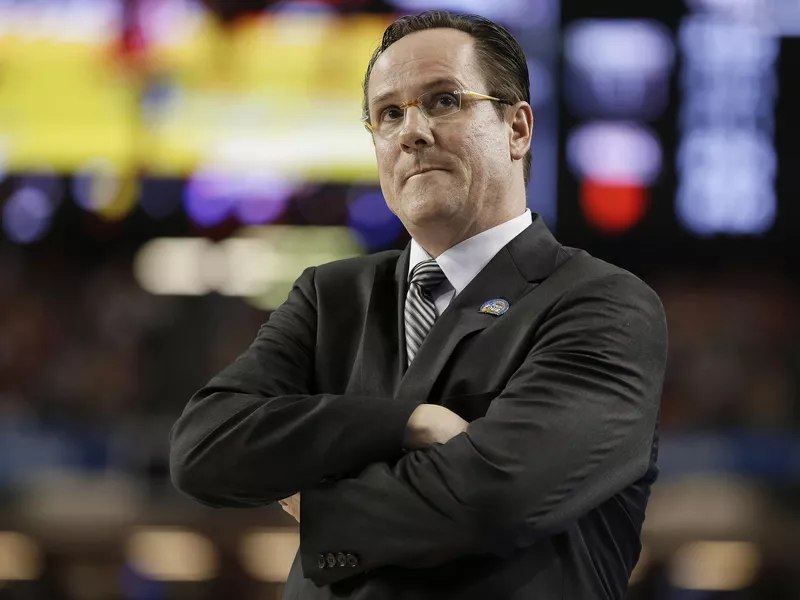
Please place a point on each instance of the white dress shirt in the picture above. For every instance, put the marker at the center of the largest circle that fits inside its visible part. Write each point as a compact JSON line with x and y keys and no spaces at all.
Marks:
{"x":465,"y":260}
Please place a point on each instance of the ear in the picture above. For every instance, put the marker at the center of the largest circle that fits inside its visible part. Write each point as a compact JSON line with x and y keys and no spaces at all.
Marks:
{"x":521,"y":133}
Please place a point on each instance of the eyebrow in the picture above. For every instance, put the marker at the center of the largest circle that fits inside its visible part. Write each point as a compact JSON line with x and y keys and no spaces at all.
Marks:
{"x":381,"y":98}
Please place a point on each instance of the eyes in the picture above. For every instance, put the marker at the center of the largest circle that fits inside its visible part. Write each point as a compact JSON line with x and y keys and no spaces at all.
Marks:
{"x":432,"y":105}
{"x":392,"y":114}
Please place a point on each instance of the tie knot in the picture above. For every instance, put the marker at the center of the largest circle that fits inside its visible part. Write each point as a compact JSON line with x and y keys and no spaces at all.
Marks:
{"x":427,"y":274}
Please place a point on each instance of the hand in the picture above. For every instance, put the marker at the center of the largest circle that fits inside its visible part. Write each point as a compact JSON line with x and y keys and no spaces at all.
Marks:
{"x":292,"y":505}
{"x":432,"y":424}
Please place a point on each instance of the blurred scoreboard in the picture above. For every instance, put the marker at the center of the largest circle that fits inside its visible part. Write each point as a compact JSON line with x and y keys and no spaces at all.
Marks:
{"x":164,"y":88}
{"x":664,"y":131}
{"x":680,"y":130}
{"x":240,"y":117}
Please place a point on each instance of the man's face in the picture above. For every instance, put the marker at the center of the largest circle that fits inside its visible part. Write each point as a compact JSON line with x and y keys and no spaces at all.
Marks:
{"x":466,"y":155}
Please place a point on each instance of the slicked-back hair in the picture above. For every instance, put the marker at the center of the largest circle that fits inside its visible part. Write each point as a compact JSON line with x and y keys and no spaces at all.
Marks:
{"x":500,"y":57}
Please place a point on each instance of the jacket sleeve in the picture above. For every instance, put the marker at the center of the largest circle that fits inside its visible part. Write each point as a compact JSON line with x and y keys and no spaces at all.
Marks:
{"x":573,"y":427}
{"x":255,"y":434}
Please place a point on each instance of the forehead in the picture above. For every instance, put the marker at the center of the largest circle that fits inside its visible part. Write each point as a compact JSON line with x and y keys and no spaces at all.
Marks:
{"x":421,"y":57}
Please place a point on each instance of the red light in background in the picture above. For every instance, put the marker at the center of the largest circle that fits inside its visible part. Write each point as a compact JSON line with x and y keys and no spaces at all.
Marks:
{"x":613,"y":208}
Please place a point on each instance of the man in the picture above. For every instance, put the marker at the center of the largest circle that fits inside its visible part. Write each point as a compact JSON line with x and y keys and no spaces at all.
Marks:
{"x":474,"y":417}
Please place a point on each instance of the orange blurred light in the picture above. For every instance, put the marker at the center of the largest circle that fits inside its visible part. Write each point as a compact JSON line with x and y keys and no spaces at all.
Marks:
{"x":613,"y":208}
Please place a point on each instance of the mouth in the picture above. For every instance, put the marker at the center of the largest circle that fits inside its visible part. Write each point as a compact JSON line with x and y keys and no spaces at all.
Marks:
{"x":422,"y":172}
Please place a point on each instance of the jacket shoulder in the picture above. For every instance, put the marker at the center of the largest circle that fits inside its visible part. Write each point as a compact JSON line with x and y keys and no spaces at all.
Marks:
{"x":348,"y":269}
{"x":595,"y":273}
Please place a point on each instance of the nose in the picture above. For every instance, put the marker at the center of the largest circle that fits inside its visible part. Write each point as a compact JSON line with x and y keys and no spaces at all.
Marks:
{"x":416,"y":132}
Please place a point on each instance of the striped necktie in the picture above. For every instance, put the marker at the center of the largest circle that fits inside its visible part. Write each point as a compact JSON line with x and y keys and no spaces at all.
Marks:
{"x":420,"y":312}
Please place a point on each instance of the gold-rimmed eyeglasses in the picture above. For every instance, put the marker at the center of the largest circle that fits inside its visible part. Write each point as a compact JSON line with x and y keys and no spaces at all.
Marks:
{"x":433,"y":105}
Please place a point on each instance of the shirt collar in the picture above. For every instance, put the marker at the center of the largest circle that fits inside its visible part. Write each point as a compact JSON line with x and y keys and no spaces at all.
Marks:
{"x":465,"y":260}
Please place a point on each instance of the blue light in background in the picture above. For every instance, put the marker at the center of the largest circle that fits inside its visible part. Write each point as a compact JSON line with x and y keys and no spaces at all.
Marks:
{"x":261,"y":198}
{"x":618,"y":152}
{"x":618,"y":68}
{"x":257,"y":211}
{"x":726,"y":160}
{"x":254,"y":198}
{"x":46,"y":181}
{"x":27,"y":215}
{"x":373,"y":222}
{"x":205,"y":200}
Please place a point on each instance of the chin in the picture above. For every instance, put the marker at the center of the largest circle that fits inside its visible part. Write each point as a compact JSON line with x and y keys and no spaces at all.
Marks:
{"x":431,"y":207}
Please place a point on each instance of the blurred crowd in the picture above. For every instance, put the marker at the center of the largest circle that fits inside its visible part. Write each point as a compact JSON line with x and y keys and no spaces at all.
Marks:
{"x":84,"y":350}
{"x":93,"y":371}
{"x":734,"y":361}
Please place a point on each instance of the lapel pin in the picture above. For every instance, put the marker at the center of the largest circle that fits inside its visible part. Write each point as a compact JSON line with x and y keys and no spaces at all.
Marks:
{"x":495,"y":307}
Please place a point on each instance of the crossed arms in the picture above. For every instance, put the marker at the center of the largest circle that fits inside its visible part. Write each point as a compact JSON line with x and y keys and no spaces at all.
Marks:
{"x":573,"y":426}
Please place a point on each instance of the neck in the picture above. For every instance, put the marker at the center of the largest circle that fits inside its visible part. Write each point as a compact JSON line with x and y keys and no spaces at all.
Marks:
{"x":437,"y":238}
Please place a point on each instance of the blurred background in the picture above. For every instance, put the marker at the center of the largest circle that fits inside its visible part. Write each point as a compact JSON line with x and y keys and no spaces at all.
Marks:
{"x":168,"y":168}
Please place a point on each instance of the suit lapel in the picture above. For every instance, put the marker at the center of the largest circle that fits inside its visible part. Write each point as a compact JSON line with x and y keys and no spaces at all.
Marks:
{"x":383,"y":349}
{"x":512,"y":273}
{"x":401,"y":283}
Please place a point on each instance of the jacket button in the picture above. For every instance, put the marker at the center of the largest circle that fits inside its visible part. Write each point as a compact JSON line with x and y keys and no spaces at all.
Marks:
{"x":331,"y":559}
{"x":321,"y":561}
{"x":341,"y":559}
{"x":352,"y":560}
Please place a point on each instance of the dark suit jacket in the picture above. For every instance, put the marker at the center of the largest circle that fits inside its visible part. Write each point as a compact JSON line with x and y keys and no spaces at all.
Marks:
{"x":543,"y":497}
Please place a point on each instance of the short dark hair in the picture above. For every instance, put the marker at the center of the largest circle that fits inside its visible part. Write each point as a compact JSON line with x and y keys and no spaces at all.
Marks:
{"x":500,"y":56}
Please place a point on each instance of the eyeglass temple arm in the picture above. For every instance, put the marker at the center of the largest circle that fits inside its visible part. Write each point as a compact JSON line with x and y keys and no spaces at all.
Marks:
{"x":366,"y":119}
{"x":482,"y":96}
